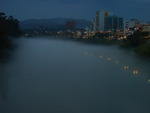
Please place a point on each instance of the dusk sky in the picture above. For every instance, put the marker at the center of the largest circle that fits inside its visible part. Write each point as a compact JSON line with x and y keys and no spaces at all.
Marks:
{"x":85,"y":9}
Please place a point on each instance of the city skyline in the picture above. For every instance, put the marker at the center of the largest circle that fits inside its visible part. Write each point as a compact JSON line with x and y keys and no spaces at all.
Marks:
{"x":85,"y":9}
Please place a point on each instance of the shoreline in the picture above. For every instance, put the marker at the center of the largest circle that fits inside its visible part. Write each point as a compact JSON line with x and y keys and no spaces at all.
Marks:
{"x":141,"y":50}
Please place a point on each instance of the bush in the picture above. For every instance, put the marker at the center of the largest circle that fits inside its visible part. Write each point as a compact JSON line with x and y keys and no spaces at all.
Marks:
{"x":144,"y":49}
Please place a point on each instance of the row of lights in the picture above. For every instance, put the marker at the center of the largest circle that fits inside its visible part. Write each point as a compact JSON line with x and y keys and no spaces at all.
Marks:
{"x":135,"y":71}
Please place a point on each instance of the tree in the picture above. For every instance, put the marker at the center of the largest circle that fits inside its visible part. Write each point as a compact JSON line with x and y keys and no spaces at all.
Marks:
{"x":137,"y":38}
{"x":9,"y":26}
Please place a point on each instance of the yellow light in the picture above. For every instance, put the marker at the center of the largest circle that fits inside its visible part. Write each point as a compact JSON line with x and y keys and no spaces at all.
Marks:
{"x":109,"y":59}
{"x":126,"y":67}
{"x":135,"y":72}
{"x":100,"y":56}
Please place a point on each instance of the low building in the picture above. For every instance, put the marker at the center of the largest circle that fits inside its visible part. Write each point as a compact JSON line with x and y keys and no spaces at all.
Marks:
{"x":146,"y":30}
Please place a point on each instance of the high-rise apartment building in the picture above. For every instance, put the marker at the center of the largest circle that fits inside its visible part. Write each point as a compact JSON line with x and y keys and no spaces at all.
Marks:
{"x":106,"y":22}
{"x":100,"y":20}
{"x":114,"y":23}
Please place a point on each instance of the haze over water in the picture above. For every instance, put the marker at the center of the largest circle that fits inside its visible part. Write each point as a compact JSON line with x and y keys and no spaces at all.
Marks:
{"x":44,"y":75}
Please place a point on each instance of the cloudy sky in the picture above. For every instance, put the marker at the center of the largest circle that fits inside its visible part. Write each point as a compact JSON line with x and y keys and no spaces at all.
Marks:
{"x":26,"y":9}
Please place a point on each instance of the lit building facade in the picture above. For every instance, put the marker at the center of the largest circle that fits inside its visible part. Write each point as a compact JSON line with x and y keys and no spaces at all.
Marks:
{"x":99,"y":20}
{"x":113,"y":23}
{"x":132,"y":23}
{"x":103,"y":21}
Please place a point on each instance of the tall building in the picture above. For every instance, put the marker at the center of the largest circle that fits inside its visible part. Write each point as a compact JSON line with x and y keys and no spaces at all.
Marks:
{"x":105,"y":22}
{"x":93,"y":25}
{"x":97,"y":22}
{"x":103,"y":16}
{"x":114,"y":23}
{"x":100,"y":20}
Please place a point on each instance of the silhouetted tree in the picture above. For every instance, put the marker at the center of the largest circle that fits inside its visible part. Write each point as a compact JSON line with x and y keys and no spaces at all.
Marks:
{"x":137,"y":38}
{"x":9,"y":26}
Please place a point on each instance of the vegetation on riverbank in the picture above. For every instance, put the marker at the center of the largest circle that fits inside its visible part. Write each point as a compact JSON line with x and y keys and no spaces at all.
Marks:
{"x":135,"y":42}
{"x":143,"y":49}
{"x":9,"y":26}
{"x":139,"y":44}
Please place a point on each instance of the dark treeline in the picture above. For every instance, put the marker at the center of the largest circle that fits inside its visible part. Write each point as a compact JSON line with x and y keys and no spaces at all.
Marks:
{"x":9,"y":26}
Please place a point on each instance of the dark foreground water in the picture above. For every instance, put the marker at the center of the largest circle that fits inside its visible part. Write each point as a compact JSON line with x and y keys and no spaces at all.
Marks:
{"x":56,"y":76}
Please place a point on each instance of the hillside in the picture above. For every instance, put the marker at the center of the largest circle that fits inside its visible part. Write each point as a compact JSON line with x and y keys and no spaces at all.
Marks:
{"x":52,"y":24}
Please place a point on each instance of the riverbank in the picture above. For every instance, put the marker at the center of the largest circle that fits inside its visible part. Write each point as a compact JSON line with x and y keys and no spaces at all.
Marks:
{"x":41,"y":68}
{"x":142,"y":50}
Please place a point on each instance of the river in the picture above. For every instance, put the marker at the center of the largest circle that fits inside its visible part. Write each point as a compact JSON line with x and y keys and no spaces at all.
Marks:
{"x":44,"y":75}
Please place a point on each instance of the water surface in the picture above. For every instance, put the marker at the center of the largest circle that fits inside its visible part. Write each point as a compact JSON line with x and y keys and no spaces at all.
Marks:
{"x":43,"y":75}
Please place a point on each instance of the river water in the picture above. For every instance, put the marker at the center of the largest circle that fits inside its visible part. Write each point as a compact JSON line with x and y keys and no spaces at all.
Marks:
{"x":43,"y":75}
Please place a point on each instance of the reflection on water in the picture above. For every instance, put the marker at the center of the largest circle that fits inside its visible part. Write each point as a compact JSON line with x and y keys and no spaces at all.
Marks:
{"x":7,"y":48}
{"x":56,"y":76}
{"x":85,"y":53}
{"x":100,"y":56}
{"x":126,"y":67}
{"x":117,"y":62}
{"x":134,"y":71}
{"x":109,"y":59}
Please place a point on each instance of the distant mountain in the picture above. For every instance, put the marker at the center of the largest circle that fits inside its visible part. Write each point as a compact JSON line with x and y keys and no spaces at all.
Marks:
{"x":52,"y":24}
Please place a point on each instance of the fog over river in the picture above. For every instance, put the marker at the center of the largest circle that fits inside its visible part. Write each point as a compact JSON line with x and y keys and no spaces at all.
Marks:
{"x":43,"y":75}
